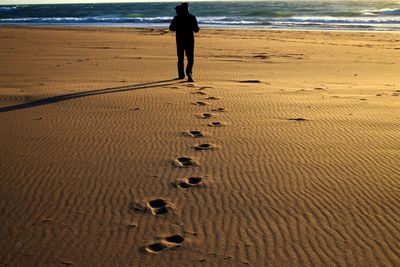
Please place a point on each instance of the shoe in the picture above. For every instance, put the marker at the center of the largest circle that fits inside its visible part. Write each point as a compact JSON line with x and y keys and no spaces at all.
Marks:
{"x":181,"y":77}
{"x":190,"y":79}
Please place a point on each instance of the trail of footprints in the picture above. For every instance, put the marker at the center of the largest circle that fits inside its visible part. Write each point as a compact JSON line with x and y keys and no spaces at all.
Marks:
{"x":161,"y":207}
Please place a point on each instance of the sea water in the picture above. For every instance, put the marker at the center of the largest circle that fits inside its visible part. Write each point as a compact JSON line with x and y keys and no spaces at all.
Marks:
{"x":383,"y":15}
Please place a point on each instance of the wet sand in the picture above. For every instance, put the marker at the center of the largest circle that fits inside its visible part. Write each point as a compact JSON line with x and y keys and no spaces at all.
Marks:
{"x":284,"y":151}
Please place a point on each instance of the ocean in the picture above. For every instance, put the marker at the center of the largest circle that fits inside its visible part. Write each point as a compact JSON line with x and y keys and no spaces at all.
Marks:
{"x":366,"y":15}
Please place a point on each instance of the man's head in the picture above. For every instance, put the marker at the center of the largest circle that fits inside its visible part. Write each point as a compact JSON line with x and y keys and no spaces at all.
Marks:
{"x":185,"y":7}
{"x":178,"y":9}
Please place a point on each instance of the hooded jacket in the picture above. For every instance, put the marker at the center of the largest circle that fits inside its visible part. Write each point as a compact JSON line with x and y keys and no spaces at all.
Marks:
{"x":184,"y":25}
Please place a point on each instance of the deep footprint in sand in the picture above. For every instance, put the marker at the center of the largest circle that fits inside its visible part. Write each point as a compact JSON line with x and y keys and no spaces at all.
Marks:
{"x":185,"y":162}
{"x":215,"y":124}
{"x":298,"y":119}
{"x":203,"y":147}
{"x":198,"y":93}
{"x":250,"y":81}
{"x":206,"y":87}
{"x":219,"y":110}
{"x":174,"y":240}
{"x":200,"y":103}
{"x":194,"y":134}
{"x":158,"y":206}
{"x":204,"y":116}
{"x":213,"y":98}
{"x":155,"y":248}
{"x":168,"y":242}
{"x":188,"y":182}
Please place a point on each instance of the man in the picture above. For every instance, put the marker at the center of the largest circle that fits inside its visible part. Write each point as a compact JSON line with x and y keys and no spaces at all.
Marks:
{"x":184,"y":24}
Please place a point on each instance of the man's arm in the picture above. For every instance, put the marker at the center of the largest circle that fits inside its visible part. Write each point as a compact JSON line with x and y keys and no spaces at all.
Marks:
{"x":172,"y":27}
{"x":195,"y":25}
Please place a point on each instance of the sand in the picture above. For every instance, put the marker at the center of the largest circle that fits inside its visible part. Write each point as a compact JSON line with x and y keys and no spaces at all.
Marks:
{"x":284,"y":152}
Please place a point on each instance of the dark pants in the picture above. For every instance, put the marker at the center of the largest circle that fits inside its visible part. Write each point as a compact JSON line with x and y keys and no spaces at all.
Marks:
{"x":185,"y":46}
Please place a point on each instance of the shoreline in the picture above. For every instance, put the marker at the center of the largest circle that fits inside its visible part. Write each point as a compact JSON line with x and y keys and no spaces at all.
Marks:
{"x":76,"y":27}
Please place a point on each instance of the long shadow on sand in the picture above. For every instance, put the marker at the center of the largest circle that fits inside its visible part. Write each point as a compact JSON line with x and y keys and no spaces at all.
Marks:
{"x":59,"y":98}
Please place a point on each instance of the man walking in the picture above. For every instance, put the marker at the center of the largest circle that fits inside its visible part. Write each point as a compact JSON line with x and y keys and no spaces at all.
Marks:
{"x":184,"y":24}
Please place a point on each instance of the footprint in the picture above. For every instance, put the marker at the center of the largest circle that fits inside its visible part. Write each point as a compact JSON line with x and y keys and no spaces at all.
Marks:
{"x":200,"y":103}
{"x":195,"y":180}
{"x":261,"y":56}
{"x":174,"y":240}
{"x":194,"y":134}
{"x":185,"y":162}
{"x":213,"y":98}
{"x":168,"y":242}
{"x":297,"y":119}
{"x":188,"y":182}
{"x":219,"y":110}
{"x":182,"y":184}
{"x":250,"y":81}
{"x":206,"y":87}
{"x":205,"y":116}
{"x":198,"y":93}
{"x":203,"y":147}
{"x":155,"y":248}
{"x":158,"y":206}
{"x":215,"y":124}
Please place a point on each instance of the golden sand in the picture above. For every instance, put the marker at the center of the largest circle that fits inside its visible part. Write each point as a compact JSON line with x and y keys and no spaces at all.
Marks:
{"x":284,"y":152}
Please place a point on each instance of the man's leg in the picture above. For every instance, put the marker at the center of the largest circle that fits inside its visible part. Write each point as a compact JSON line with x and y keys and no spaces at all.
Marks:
{"x":189,"y":50}
{"x":180,"y":52}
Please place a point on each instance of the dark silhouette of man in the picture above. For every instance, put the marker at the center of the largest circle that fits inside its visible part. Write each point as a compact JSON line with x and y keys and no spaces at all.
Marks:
{"x":184,"y":24}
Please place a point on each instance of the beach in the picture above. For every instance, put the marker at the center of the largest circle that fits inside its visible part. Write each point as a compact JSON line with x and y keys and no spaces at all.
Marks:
{"x":284,"y":151}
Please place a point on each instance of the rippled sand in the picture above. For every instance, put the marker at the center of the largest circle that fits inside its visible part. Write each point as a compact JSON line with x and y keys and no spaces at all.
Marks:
{"x":284,"y":152}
